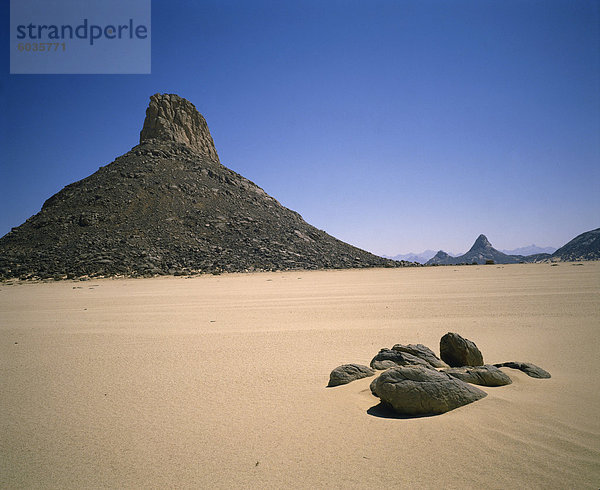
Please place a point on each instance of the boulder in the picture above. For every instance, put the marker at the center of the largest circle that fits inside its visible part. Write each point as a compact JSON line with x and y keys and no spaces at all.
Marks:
{"x":346,"y":373}
{"x":383,"y":365}
{"x":458,"y":351}
{"x":387,"y":358}
{"x":415,"y":390}
{"x":528,"y":368}
{"x":486,"y":375}
{"x":423,"y":352}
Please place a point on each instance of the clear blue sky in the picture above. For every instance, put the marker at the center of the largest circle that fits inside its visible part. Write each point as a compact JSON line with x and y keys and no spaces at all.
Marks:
{"x":396,"y":126}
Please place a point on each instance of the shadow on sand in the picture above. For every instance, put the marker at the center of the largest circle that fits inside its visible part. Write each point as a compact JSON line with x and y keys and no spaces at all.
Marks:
{"x":385,"y":412}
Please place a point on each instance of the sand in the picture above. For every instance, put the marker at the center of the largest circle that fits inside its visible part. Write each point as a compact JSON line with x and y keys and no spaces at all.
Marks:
{"x":219,"y":381}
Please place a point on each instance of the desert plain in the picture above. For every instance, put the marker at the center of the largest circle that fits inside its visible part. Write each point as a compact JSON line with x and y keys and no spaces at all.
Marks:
{"x":220,"y":381}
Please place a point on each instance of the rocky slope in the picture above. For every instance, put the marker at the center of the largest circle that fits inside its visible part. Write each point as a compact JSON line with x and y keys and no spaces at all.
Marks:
{"x":168,"y":206}
{"x":583,"y":247}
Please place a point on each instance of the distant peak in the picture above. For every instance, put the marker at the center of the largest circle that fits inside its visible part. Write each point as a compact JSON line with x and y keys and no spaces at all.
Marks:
{"x":173,"y":118}
{"x":482,"y":242}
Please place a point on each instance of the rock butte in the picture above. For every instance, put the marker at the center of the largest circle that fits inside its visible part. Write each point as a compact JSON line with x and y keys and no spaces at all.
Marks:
{"x":169,"y":206}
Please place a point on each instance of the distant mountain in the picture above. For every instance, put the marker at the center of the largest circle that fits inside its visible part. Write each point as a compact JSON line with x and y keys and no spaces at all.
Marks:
{"x":440,"y":258}
{"x":534,"y":258}
{"x":530,"y":250}
{"x":583,"y":247}
{"x":479,"y":253}
{"x":421,"y":258}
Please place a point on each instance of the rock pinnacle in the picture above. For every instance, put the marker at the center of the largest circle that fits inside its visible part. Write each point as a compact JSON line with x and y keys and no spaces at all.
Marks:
{"x":481,"y":243}
{"x":173,"y":118}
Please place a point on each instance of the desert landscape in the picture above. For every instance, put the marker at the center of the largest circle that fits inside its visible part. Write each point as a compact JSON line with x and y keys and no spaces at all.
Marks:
{"x":219,"y":381}
{"x":387,"y":276}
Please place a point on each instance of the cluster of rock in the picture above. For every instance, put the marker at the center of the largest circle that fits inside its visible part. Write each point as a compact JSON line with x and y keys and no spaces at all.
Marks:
{"x":169,"y":206}
{"x":416,"y":382}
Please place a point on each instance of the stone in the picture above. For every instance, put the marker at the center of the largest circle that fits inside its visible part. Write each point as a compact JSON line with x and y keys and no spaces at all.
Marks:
{"x":87,"y":219}
{"x":486,"y":375}
{"x":457,"y":351}
{"x":418,"y":391}
{"x":387,"y":358}
{"x":422,"y":352}
{"x":346,"y":373}
{"x":528,"y":368}
{"x":383,"y":365}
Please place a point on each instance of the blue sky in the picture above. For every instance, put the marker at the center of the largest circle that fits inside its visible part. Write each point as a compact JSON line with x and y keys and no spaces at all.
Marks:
{"x":396,"y":126}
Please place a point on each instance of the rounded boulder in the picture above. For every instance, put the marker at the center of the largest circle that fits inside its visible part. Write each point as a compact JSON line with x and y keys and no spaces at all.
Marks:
{"x":457,"y":351}
{"x":418,"y":391}
{"x":486,"y":375}
{"x":347,"y":373}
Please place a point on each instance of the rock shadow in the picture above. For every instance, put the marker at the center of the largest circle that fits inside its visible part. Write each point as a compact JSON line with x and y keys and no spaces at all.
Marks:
{"x":383,"y":411}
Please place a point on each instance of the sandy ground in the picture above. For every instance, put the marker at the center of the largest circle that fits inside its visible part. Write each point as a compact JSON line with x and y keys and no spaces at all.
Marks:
{"x":219,"y":381}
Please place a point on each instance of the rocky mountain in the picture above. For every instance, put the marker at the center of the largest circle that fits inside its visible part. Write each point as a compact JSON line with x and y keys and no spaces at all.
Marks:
{"x":530,"y":250}
{"x":534,"y":258}
{"x":583,"y":247}
{"x":169,"y":206}
{"x":421,"y":258}
{"x":479,"y":253}
{"x":440,"y":258}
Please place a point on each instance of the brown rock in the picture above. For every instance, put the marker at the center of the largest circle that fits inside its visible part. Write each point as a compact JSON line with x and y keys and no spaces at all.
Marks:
{"x":486,"y":375}
{"x":387,"y":358}
{"x":458,"y":351}
{"x":528,"y":368}
{"x":414,"y":390}
{"x":423,"y":352}
{"x":346,"y":373}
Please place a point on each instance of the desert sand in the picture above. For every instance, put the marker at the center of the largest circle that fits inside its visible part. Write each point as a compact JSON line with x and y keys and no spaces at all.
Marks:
{"x":220,"y":381}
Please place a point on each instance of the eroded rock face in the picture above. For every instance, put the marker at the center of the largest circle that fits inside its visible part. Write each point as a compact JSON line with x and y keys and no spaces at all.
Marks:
{"x":458,"y":351}
{"x":486,"y":375}
{"x":415,"y":390}
{"x":173,"y":118}
{"x":528,"y":368}
{"x":422,"y":352}
{"x":388,"y":358}
{"x":347,"y":373}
